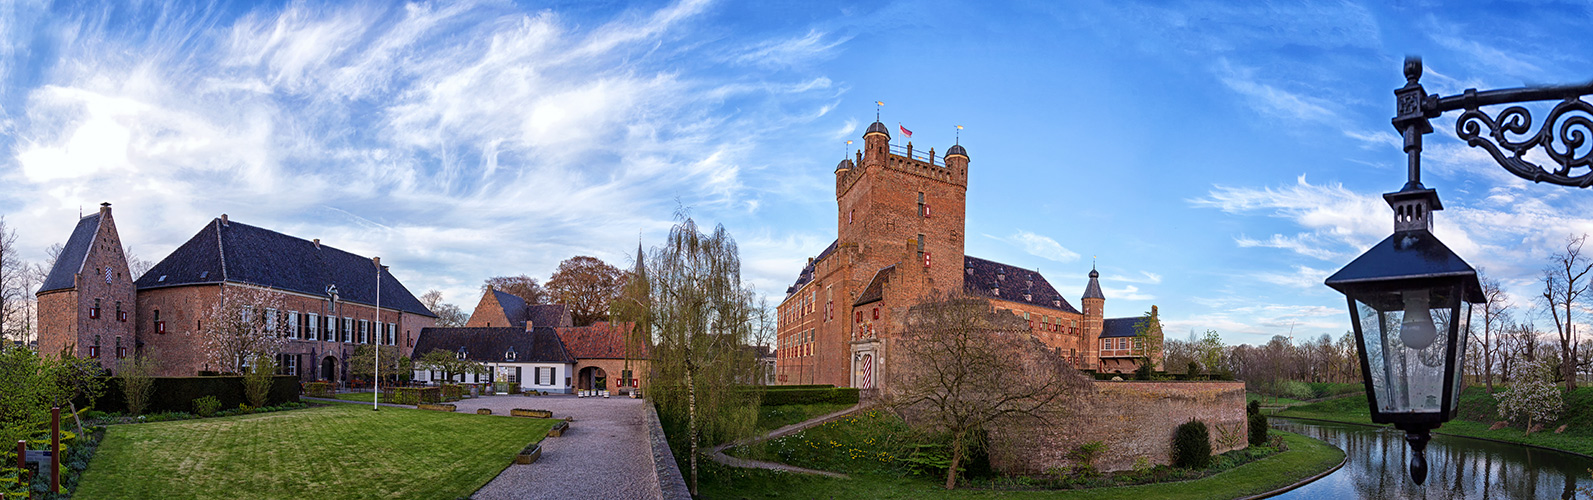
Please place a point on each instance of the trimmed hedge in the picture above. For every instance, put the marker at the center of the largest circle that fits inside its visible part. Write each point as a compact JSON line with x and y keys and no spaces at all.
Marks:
{"x":778,"y":395}
{"x":412,"y":395}
{"x":318,"y":389}
{"x":452,"y":392}
{"x":177,"y":394}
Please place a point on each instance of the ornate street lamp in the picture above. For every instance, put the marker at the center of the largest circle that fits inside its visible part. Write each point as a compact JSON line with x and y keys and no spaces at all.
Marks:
{"x":1410,"y":297}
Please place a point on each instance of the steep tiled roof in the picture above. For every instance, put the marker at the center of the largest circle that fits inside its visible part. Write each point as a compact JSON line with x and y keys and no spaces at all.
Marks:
{"x":513,"y":307}
{"x":1120,"y":327}
{"x":807,"y":270}
{"x":982,"y":278}
{"x":1093,"y":290}
{"x":875,"y":291}
{"x":601,"y":340}
{"x":549,"y":315}
{"x":491,"y":345}
{"x":70,"y":261}
{"x":239,"y":253}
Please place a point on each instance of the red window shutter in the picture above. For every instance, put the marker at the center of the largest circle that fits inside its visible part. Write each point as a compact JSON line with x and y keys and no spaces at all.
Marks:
{"x":160,"y":327}
{"x":926,"y":210}
{"x":926,"y":259}
{"x":94,"y":313}
{"x":121,"y":316}
{"x":859,"y":316}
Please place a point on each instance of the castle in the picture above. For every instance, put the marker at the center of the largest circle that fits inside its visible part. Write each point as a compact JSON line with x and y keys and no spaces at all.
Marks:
{"x":900,"y":234}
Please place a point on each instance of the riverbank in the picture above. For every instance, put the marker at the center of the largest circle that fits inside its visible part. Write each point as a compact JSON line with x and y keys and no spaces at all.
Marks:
{"x":1477,"y":414}
{"x":1306,"y":458}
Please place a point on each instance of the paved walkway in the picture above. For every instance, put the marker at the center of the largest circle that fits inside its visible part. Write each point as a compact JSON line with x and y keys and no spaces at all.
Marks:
{"x":720,"y":456}
{"x":605,"y":453}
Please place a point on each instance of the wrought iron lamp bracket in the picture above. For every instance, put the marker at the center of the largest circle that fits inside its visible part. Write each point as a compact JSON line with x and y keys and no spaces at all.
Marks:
{"x":1565,"y":136}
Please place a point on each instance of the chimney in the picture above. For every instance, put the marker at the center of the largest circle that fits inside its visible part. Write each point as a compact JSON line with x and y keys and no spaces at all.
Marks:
{"x":223,"y":219}
{"x":105,"y":208}
{"x":1153,"y":311}
{"x":377,"y":261}
{"x":317,"y":243}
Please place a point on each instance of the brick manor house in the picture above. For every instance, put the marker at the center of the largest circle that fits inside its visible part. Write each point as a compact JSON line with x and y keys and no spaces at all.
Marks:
{"x":90,"y":301}
{"x":900,"y":235}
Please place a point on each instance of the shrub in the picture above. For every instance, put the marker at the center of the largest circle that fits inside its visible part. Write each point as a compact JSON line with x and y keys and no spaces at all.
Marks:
{"x":452,"y":392}
{"x":1143,"y":372}
{"x":1191,"y":445}
{"x":1084,"y":457}
{"x":1193,"y":369}
{"x":1258,"y":429}
{"x":1537,"y":401}
{"x":206,"y":406}
{"x":414,"y":395}
{"x":137,"y":380}
{"x":1254,"y":408}
{"x":257,"y":380}
{"x":318,"y":389}
{"x":775,"y":396}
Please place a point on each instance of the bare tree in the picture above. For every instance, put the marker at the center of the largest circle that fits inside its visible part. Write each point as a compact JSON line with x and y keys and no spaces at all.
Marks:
{"x":448,"y":315}
{"x":587,"y":285}
{"x":964,"y":367}
{"x":522,"y":286}
{"x":1564,"y":283}
{"x":241,"y":325}
{"x":1496,"y":308}
{"x":137,"y":266}
{"x":13,"y":293}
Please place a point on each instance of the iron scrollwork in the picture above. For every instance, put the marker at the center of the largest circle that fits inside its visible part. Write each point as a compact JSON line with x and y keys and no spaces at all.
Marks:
{"x":1562,"y":137}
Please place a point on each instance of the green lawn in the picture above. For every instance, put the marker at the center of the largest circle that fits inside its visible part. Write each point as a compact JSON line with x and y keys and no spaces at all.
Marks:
{"x":1477,"y":414}
{"x":1251,"y":396}
{"x":775,"y":417}
{"x":1305,"y":457}
{"x":334,"y":451}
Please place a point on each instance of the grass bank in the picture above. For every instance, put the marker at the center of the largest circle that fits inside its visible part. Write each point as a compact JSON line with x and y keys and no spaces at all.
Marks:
{"x":1305,"y":457}
{"x":333,"y":451}
{"x":1477,"y":412}
{"x":775,"y":417}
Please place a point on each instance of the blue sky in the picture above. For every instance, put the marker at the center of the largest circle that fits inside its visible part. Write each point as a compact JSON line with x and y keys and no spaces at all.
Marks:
{"x":1220,"y":159}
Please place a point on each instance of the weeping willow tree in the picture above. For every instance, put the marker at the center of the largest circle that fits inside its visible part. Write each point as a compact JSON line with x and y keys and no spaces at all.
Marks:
{"x":700,"y":317}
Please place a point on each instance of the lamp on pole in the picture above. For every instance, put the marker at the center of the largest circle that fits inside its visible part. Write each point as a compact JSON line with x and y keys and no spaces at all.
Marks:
{"x":1410,"y":296}
{"x":376,"y":371}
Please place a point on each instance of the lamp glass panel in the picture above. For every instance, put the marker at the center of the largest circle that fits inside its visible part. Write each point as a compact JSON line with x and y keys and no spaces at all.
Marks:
{"x":1460,"y":353}
{"x":1405,"y":337}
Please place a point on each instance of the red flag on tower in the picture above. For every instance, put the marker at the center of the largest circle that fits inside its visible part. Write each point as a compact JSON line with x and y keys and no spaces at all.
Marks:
{"x":905,"y":132}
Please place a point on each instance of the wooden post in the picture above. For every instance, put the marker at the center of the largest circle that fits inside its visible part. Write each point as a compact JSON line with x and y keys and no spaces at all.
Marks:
{"x":22,"y":467}
{"x":55,"y":449}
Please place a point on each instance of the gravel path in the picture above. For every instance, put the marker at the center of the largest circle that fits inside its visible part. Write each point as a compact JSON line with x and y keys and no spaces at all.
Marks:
{"x":604,"y":455}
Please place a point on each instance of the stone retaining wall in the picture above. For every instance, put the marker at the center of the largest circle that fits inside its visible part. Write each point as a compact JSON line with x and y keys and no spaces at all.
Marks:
{"x":1133,"y":419}
{"x":671,"y":485}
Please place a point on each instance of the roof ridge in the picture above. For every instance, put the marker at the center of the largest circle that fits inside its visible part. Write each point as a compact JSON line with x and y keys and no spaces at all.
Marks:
{"x":99,"y":225}
{"x":221,"y":250}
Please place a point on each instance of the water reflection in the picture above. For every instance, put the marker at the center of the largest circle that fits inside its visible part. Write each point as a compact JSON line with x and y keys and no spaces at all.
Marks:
{"x":1458,"y":468}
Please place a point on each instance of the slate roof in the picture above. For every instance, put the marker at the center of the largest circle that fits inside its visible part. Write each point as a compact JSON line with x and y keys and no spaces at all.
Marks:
{"x":1120,"y":327}
{"x":241,"y":253}
{"x":982,"y":277}
{"x":491,"y":345}
{"x":807,"y":270}
{"x":601,"y":340}
{"x":518,"y":312}
{"x":875,"y":291}
{"x":1093,"y":290}
{"x":70,"y":261}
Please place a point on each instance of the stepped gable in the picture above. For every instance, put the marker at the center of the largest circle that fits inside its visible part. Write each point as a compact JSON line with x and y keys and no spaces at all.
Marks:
{"x":601,"y":340}
{"x":807,"y":270}
{"x":983,"y":277}
{"x":70,"y":261}
{"x":1120,"y":327}
{"x":240,"y":253}
{"x":492,"y":344}
{"x":875,"y":291}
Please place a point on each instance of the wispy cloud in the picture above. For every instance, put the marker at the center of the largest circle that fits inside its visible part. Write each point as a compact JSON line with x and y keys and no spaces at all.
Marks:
{"x":1128,"y":292}
{"x":1040,"y":246}
{"x":1145,"y":277}
{"x":425,"y":132}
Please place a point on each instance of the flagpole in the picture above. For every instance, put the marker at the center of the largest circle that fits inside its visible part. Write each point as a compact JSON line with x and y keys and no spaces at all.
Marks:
{"x":376,"y":371}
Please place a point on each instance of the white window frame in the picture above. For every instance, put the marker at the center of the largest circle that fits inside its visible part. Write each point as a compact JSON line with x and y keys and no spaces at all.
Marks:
{"x":293,"y":325}
{"x":347,"y":336}
{"x":364,"y":329}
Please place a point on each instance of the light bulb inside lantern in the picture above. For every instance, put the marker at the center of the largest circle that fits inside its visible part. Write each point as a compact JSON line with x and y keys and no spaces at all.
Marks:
{"x":1416,"y":327}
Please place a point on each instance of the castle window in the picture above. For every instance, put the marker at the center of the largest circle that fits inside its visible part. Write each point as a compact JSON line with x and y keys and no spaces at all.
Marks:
{"x":94,"y":312}
{"x":876,"y":313}
{"x":94,"y":349}
{"x":121,"y":352}
{"x":859,"y":315}
{"x":160,"y":326}
{"x":120,"y":314}
{"x":923,"y":210}
{"x":850,"y":214}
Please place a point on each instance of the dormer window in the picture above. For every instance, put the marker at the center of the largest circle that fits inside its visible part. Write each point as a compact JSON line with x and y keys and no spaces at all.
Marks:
{"x":161,"y":279}
{"x":509,"y":356}
{"x":461,"y":353}
{"x":1056,"y":303}
{"x":204,"y":274}
{"x":996,"y":291}
{"x":1028,"y":297}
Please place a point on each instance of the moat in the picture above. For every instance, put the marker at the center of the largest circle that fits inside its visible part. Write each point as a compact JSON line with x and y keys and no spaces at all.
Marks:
{"x":1458,"y":467}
